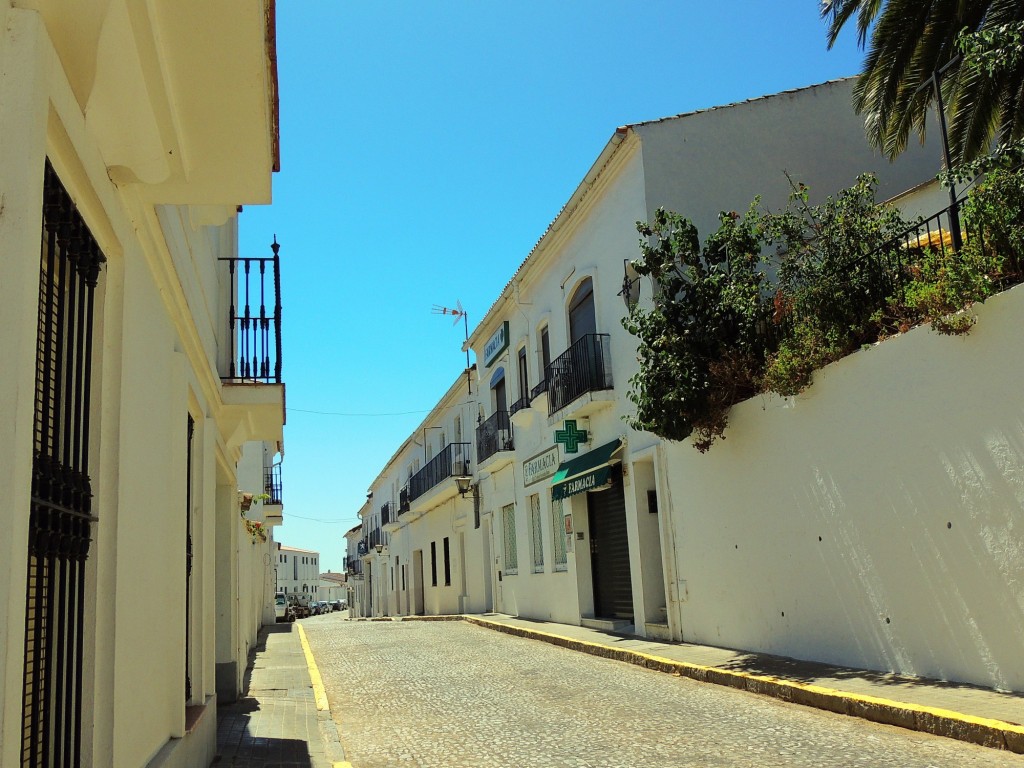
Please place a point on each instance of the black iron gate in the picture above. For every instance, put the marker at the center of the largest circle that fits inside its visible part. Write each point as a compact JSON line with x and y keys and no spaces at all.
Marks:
{"x":61,"y":516}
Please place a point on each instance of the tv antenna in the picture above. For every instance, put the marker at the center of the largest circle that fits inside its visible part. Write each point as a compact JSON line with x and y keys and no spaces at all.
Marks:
{"x":458,"y":312}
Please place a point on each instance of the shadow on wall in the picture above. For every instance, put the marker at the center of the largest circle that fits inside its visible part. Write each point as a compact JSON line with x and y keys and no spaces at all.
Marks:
{"x":874,"y":521}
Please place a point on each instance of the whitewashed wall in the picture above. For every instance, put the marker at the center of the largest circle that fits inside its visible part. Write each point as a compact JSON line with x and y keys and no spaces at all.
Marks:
{"x":874,"y":521}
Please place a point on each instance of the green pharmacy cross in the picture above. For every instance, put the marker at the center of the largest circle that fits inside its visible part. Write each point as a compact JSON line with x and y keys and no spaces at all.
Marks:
{"x":571,"y":437}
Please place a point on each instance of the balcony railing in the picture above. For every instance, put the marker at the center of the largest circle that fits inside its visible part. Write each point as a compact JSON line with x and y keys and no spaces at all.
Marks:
{"x":272,"y":483}
{"x":403,"y":500}
{"x":387,"y":513}
{"x":540,"y":389}
{"x":518,"y":405}
{"x":373,"y":537}
{"x":493,"y":435}
{"x":583,"y":367}
{"x":453,"y":459}
{"x":254,"y":319}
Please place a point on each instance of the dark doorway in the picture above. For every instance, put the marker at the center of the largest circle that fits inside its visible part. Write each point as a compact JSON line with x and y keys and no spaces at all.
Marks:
{"x":609,"y":551}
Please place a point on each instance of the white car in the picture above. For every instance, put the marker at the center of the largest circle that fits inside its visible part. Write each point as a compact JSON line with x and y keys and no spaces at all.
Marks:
{"x":282,"y":611}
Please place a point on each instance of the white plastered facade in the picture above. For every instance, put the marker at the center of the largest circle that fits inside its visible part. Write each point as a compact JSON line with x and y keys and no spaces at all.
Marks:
{"x":905,"y":459}
{"x":101,"y":91}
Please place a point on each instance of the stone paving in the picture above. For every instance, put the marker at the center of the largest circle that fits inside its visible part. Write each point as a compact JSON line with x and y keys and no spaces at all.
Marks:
{"x":449,"y":694}
{"x":276,"y":724}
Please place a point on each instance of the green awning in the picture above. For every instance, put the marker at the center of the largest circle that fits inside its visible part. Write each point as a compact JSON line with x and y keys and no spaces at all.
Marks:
{"x":586,"y":472}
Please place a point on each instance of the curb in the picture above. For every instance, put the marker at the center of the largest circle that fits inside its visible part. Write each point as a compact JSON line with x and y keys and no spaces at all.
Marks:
{"x":328,"y":728}
{"x":995,"y":734}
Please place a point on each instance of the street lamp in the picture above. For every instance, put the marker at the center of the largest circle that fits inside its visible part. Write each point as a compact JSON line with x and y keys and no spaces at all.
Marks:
{"x":464,"y":483}
{"x":379,"y":548}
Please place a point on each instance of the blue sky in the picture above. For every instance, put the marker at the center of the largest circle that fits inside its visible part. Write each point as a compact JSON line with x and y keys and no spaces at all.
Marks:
{"x":425,"y":147}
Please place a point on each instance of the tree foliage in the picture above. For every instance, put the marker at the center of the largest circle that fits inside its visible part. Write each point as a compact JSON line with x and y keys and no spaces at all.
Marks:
{"x":911,"y":39}
{"x":771,"y":297}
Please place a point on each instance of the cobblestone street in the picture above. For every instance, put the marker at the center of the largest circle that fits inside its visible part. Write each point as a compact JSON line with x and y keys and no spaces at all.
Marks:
{"x":448,"y":694}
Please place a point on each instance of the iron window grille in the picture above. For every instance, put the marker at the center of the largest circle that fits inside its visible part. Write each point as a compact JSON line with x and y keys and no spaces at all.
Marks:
{"x":61,"y":513}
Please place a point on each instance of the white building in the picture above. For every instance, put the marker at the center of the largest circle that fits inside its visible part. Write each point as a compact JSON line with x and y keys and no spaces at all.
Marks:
{"x":354,"y":570}
{"x":433,"y":547}
{"x":333,"y":587}
{"x":801,"y":551}
{"x":298,"y":572}
{"x":129,"y":141}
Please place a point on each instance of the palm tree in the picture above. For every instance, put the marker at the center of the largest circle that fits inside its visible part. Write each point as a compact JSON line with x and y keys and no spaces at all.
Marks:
{"x":911,"y":39}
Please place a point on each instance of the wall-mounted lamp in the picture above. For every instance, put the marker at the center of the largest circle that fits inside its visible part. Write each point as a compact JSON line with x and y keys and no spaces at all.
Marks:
{"x":379,"y":548}
{"x":464,"y":484}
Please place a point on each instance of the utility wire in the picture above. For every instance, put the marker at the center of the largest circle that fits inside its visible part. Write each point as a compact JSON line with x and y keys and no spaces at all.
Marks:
{"x":318,"y":520}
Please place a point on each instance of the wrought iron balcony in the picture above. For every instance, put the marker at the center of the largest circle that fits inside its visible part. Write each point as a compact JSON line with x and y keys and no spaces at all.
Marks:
{"x":493,"y":435}
{"x":254,"y":319}
{"x":403,"y":500}
{"x":518,"y":405}
{"x":373,"y":537}
{"x":453,"y":459}
{"x":539,"y":390}
{"x":272,"y":484}
{"x":387,"y":513}
{"x":584,"y":367}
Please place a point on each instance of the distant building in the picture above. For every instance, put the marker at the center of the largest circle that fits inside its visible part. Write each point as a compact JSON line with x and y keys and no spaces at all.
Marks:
{"x":298,"y":572}
{"x":333,"y":587}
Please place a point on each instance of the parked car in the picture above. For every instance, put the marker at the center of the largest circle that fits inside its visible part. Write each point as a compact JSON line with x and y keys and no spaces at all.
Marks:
{"x":299,"y":605}
{"x":325,"y":607}
{"x":282,"y":610}
{"x":314,"y":608}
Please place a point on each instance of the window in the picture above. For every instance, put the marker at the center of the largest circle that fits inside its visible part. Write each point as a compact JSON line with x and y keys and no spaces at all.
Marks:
{"x":558,"y":535}
{"x":508,"y":514}
{"x":447,"y":564}
{"x":500,"y":401}
{"x":582,"y":319}
{"x":545,"y":355}
{"x":433,"y":563}
{"x":524,"y":378}
{"x":537,"y":537}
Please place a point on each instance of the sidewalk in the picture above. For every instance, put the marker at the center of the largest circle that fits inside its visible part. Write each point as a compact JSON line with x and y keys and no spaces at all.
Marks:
{"x":283,"y":720}
{"x":969,"y":713}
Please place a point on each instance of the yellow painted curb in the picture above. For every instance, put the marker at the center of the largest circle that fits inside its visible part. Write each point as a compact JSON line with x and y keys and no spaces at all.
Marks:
{"x":940,"y":722}
{"x":314,"y":673}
